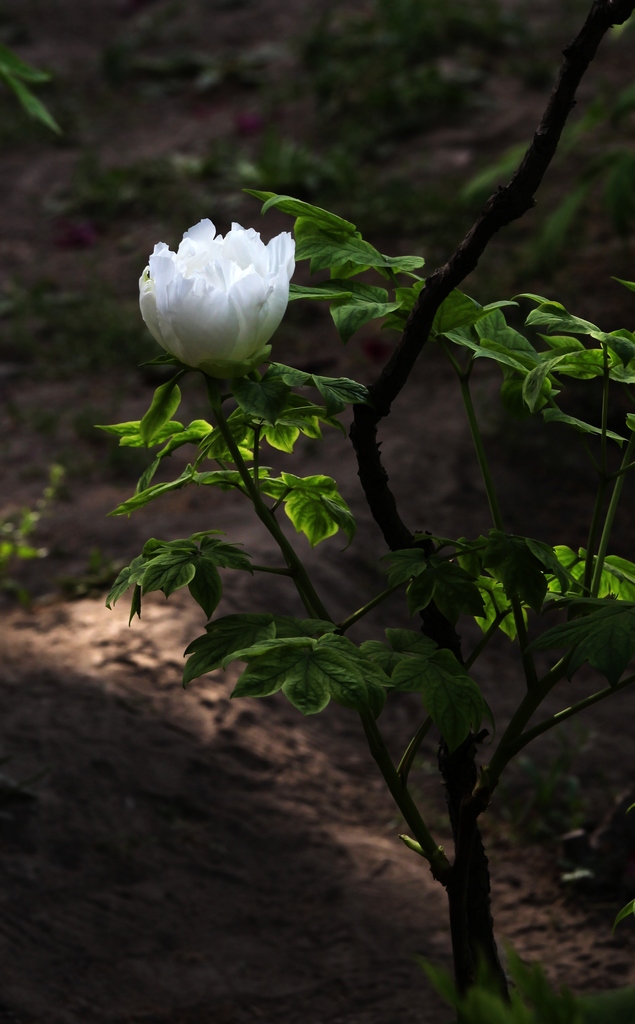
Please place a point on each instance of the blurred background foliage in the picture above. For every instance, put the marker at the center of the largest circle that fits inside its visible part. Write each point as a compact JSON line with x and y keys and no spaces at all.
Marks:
{"x":401,"y":114}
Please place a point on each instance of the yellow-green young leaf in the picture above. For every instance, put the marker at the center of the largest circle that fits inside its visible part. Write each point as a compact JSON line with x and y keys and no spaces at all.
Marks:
{"x":165,"y":402}
{"x":282,"y":436}
{"x":629,"y":909}
{"x":155,"y":491}
{"x":223,"y":636}
{"x":495,"y":601}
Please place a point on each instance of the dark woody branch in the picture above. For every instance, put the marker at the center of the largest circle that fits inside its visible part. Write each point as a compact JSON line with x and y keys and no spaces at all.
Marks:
{"x":504,"y":206}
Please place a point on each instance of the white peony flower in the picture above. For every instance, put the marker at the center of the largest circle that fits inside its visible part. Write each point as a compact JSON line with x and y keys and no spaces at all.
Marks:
{"x":215,"y":303}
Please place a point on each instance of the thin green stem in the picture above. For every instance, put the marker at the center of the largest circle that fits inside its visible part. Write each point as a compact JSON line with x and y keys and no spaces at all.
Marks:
{"x":561,"y":716}
{"x":255,"y":466}
{"x":526,"y":709}
{"x":359,"y":614}
{"x":529,"y":668}
{"x":605,"y":409}
{"x":276,"y":505}
{"x":410,"y":752}
{"x":610,"y":518}
{"x":593,"y":534}
{"x":485,"y":639}
{"x":434,"y":853}
{"x":305,"y":588}
{"x":480,"y":452}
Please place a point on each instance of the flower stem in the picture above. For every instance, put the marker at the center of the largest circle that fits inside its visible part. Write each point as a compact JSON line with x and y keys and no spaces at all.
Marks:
{"x":305,"y":588}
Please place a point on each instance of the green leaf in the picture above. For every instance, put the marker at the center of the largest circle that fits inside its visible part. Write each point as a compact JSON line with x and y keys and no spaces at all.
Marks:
{"x":535,"y":380}
{"x":126,"y":578}
{"x":552,"y":415}
{"x":451,"y":697}
{"x":337,"y":392}
{"x":269,"y":646}
{"x":146,"y":478}
{"x":263,"y":400}
{"x":266,"y":674}
{"x":326,"y":248}
{"x":350,"y":316}
{"x":453,"y":589}
{"x":228,"y":556}
{"x":144,"y":497}
{"x":554,"y":315}
{"x":30,"y":103}
{"x":517,"y":567}
{"x":282,"y":436}
{"x":11,"y":64}
{"x":459,"y":310}
{"x":135,"y":603}
{"x":230,"y":633}
{"x":316,"y":509}
{"x":288,"y":627}
{"x":297,"y":208}
{"x":495,"y":602}
{"x":205,"y":586}
{"x":129,"y":433}
{"x":381,"y":655}
{"x":546,"y":554}
{"x":324,"y":671}
{"x":168,"y":573}
{"x":421,"y":591}
{"x":324,"y":291}
{"x":406,"y":641}
{"x":627,"y":284}
{"x":165,"y":402}
{"x":402,"y":565}
{"x":494,"y":327}
{"x":605,"y":638}
{"x":622,"y":343}
{"x":629,"y":909}
{"x":341,"y":515}
{"x":215,"y":447}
